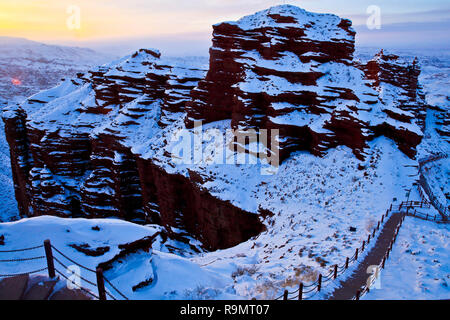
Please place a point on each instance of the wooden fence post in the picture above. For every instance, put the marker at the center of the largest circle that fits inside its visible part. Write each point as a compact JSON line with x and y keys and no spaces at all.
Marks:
{"x":100,"y":284}
{"x":300,"y":291}
{"x":384,"y":261}
{"x":378,"y":226}
{"x":368,"y":239}
{"x":346,"y":263}
{"x":319,"y":285}
{"x":335,"y":271}
{"x":358,"y":293}
{"x":49,"y":255}
{"x":363,"y":246}
{"x":356,"y":254}
{"x":285,"y":295}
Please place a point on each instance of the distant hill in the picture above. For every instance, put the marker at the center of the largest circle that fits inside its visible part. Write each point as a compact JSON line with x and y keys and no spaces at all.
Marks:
{"x":27,"y":67}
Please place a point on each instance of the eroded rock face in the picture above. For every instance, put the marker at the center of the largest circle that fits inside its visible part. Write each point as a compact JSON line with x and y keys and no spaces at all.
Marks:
{"x":73,"y":155}
{"x":97,"y":145}
{"x":288,"y":69}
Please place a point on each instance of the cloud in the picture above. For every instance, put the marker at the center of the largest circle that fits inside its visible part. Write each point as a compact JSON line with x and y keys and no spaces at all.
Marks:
{"x":411,"y":17}
{"x":185,"y":26}
{"x":423,"y":35}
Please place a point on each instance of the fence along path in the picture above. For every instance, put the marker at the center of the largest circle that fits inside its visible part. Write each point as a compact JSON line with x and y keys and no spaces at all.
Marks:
{"x":352,"y":288}
{"x":423,"y":184}
{"x":356,"y":285}
{"x":308,"y":291}
{"x":56,"y":264}
{"x":358,"y":279}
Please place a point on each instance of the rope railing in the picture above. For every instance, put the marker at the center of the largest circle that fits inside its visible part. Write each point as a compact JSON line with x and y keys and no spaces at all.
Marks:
{"x":366,"y":288}
{"x":74,"y":262}
{"x":432,"y":158}
{"x":304,"y":289}
{"x":339,"y":270}
{"x":115,"y":289}
{"x":99,"y":284}
{"x":20,"y":250}
{"x":428,"y":217}
{"x":423,"y":183}
{"x":67,"y":268}
{"x":22,"y":259}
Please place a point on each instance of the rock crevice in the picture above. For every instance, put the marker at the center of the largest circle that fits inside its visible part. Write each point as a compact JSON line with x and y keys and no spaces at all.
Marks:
{"x":96,"y":145}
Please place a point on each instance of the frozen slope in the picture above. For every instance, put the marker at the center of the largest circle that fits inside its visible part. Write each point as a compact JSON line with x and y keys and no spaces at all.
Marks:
{"x":8,"y":204}
{"x":171,"y":276}
{"x":418,"y":267}
{"x":314,"y":202}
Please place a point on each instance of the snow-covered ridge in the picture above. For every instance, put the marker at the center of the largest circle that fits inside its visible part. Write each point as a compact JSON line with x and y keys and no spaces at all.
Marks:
{"x":19,"y":51}
{"x":153,"y":262}
{"x":303,"y":61}
{"x":100,"y":144}
{"x":320,"y":26}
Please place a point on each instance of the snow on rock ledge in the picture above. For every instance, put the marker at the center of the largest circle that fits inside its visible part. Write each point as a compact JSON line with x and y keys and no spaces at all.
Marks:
{"x":72,"y":151}
{"x":98,"y":145}
{"x":288,"y":69}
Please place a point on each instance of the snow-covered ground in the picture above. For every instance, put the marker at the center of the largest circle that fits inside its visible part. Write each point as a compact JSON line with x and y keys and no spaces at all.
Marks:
{"x":314,"y":210}
{"x":171,"y":276}
{"x":418,"y":267}
{"x":28,"y":66}
{"x":437,"y":174}
{"x":315,"y":201}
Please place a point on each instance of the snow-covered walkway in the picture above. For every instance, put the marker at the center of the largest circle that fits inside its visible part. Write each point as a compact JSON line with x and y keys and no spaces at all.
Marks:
{"x":348,"y":288}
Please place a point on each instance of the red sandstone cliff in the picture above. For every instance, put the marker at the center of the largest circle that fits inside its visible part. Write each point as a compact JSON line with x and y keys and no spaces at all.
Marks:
{"x":289,"y":69}
{"x":97,"y":145}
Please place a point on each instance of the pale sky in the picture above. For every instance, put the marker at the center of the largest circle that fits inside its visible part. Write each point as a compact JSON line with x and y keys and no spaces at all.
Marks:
{"x":180,"y":27}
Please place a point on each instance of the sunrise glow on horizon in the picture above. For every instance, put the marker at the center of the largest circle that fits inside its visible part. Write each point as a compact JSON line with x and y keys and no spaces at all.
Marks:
{"x":113,"y":20}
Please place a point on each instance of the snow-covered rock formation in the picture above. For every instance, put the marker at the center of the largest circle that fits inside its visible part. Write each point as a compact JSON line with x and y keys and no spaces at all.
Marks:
{"x":293,"y":70}
{"x":100,"y":144}
{"x":27,"y":67}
